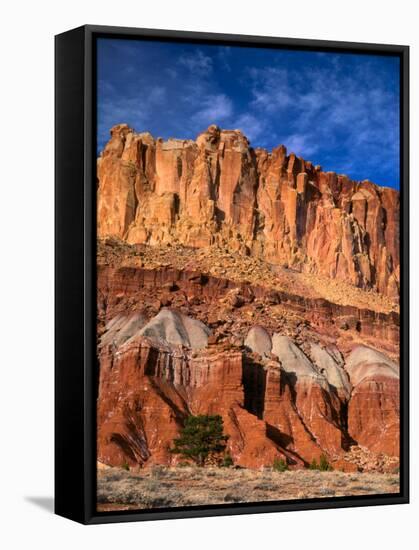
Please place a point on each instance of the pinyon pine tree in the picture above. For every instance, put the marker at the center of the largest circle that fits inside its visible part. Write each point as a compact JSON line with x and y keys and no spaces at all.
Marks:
{"x":201,"y":436}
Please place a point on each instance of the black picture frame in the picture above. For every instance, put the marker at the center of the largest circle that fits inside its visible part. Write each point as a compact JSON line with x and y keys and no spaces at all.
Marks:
{"x":75,"y":274}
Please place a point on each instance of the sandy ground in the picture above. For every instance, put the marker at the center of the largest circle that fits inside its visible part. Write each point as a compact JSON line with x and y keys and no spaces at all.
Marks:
{"x":159,"y":487}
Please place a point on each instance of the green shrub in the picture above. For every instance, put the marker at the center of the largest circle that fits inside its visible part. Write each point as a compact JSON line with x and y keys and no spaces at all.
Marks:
{"x":201,"y":436}
{"x":227,"y":461}
{"x":125,"y":466}
{"x":314,"y":465}
{"x":324,"y":465}
{"x":280,"y":465}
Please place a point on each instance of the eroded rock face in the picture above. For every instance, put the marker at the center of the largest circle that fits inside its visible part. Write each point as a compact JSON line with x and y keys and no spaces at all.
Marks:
{"x":275,"y":401}
{"x":147,"y":391}
{"x":319,"y":408}
{"x":217,"y":190}
{"x":374,"y":406}
{"x":259,"y":341}
{"x":294,"y":374}
{"x":121,"y":328}
{"x":176,"y":329}
{"x":329,"y":362}
{"x":121,"y":288}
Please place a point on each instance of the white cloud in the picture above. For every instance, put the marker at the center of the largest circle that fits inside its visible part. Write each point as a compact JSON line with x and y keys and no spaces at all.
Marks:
{"x":250,"y":125}
{"x":135,"y":110}
{"x":214,"y":109}
{"x":197,"y":62}
{"x":324,"y":105}
{"x":156,"y":95}
{"x":271,"y":89}
{"x":321,"y":109}
{"x":301,"y":145}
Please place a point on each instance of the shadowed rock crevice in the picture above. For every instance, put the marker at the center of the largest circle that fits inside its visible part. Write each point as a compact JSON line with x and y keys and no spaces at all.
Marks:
{"x":254,"y":384}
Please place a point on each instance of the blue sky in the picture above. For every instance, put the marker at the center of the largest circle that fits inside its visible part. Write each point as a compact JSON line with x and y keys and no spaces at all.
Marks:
{"x":338,"y":110}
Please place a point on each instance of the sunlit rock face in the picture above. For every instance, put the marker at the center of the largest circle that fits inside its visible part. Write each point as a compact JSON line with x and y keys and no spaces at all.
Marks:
{"x":217,"y":190}
{"x":248,"y":284}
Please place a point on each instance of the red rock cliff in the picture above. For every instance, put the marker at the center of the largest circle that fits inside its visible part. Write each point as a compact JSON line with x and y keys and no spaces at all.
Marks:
{"x":217,"y":190}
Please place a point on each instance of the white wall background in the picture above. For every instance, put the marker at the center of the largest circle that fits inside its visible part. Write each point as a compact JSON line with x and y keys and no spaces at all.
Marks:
{"x":26,"y":203}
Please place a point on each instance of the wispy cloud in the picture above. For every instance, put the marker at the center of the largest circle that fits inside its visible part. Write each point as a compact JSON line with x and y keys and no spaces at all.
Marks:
{"x":224,"y":55}
{"x":172,"y":72}
{"x":301,"y":145}
{"x":135,"y":110}
{"x":350,"y":114}
{"x":197,"y":62}
{"x":271,"y":89}
{"x":214,"y":109}
{"x":252,"y":126}
{"x":340,"y":111}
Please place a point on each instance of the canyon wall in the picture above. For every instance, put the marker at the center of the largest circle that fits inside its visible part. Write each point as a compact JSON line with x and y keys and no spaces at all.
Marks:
{"x":282,"y":404}
{"x":219,"y":191}
{"x":291,"y":376}
{"x":248,"y":284}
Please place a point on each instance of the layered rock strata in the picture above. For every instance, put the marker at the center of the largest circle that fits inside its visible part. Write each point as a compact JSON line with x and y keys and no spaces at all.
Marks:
{"x":292,"y":336}
{"x":219,"y":191}
{"x":280,"y":403}
{"x":127,"y":285}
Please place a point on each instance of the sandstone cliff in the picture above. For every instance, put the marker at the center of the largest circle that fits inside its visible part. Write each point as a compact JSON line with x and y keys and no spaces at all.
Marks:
{"x":283,"y":404}
{"x":219,"y":191}
{"x":249,"y":284}
{"x":292,"y":376}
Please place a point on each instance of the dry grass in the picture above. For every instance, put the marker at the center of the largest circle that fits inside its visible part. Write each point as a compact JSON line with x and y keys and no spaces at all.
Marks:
{"x":162,"y":487}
